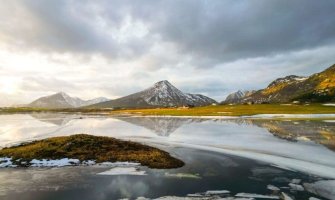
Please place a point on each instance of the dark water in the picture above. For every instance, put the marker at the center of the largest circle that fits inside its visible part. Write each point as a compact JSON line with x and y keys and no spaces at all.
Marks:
{"x":235,"y":155}
{"x":211,"y":171}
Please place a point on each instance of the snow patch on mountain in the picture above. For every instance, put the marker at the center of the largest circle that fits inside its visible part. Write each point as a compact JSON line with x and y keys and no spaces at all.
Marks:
{"x":288,"y":79}
{"x":163,"y":93}
{"x":236,"y":97}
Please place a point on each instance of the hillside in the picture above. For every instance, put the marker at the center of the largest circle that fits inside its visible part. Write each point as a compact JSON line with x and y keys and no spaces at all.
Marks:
{"x":319,"y":87}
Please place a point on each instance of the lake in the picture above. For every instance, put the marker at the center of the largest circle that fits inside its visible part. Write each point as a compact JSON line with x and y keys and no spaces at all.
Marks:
{"x":224,"y":157}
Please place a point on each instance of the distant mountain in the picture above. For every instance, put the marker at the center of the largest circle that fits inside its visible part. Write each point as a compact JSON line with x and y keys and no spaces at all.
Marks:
{"x":63,"y":100}
{"x":95,"y":101}
{"x":238,"y":96}
{"x":318,"y":87}
{"x":161,"y":94}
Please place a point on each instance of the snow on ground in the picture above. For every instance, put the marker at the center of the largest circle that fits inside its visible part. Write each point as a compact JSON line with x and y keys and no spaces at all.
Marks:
{"x":329,"y":104}
{"x":196,"y":198}
{"x":216,"y":192}
{"x":209,"y":195}
{"x":123,"y":171}
{"x":258,"y":196}
{"x":273,"y":188}
{"x":283,"y":162}
{"x":119,"y":164}
{"x":182,"y":175}
{"x":54,"y":163}
{"x":6,"y":162}
{"x":296,"y":187}
{"x":286,"y":196}
{"x":88,"y":162}
{"x":325,"y":189}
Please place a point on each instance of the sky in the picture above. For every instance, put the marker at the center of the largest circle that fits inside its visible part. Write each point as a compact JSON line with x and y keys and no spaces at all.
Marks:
{"x":113,"y":48}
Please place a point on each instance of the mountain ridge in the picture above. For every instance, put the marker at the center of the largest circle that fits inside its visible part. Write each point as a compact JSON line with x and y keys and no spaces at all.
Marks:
{"x":318,"y":87}
{"x":161,"y":94}
{"x":238,"y":96}
{"x":63,"y":100}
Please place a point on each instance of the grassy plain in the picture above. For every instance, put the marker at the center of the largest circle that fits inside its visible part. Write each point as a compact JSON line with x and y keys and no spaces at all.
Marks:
{"x":235,"y":110}
{"x":217,"y":110}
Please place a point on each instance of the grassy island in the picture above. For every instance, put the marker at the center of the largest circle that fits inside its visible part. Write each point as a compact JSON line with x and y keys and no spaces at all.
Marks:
{"x":87,"y":147}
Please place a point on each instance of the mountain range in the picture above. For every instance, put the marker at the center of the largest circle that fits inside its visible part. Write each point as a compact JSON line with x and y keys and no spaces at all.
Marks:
{"x":236,"y":97}
{"x":319,"y":87}
{"x":161,"y":94}
{"x":63,"y":100}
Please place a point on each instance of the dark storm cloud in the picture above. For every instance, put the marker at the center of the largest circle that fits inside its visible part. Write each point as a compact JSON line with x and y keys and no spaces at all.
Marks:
{"x":210,"y":31}
{"x":228,"y":30}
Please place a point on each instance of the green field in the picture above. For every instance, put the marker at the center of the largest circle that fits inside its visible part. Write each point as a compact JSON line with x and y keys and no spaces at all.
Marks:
{"x":219,"y":110}
{"x":235,"y":110}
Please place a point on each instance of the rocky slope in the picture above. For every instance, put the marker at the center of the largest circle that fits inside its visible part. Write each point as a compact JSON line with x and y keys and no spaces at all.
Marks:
{"x":63,"y":100}
{"x":238,"y":96}
{"x":319,"y":87}
{"x":161,"y":94}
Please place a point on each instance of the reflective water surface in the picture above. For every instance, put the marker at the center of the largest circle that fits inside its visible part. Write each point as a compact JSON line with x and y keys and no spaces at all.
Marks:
{"x":239,"y":155}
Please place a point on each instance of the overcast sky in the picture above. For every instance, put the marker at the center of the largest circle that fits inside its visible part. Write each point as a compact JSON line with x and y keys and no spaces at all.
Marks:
{"x":116,"y":47}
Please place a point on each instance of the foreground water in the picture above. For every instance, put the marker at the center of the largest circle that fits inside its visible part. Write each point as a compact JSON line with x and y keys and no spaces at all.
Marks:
{"x":238,"y":155}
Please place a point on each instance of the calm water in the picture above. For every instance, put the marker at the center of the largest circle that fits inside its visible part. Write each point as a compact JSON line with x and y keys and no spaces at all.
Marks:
{"x":235,"y":155}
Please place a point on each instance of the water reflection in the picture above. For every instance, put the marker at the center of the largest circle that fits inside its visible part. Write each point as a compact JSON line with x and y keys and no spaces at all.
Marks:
{"x":159,"y":125}
{"x":58,"y":119}
{"x":300,"y":145}
{"x":321,"y":132}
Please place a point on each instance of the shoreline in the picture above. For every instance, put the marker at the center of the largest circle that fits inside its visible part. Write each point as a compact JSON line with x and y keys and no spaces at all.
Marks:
{"x":255,"y":117}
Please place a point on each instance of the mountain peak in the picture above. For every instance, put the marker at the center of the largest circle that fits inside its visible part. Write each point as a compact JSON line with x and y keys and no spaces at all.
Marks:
{"x":63,"y":100}
{"x":161,"y":94}
{"x":238,"y":96}
{"x":287,"y":79}
{"x":163,"y":83}
{"x":63,"y":94}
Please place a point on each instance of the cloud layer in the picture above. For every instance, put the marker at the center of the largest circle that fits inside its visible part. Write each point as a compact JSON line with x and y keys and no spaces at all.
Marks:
{"x":116,"y":47}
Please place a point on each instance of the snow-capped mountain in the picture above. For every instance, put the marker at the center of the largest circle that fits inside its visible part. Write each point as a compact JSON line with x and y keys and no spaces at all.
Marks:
{"x":236,"y":97}
{"x":95,"y":101}
{"x":63,"y":100}
{"x":161,"y":94}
